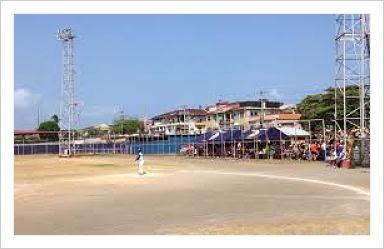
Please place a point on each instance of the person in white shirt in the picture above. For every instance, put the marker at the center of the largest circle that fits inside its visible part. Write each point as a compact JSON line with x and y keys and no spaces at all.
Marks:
{"x":140,"y":158}
{"x":323,"y":151}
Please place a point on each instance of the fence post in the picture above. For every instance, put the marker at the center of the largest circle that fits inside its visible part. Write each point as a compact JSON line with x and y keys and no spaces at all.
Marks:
{"x":169,"y":144}
{"x":254,"y":145}
{"x":310,"y":139}
{"x":243,"y":143}
{"x":257,"y":148}
{"x":324,"y":140}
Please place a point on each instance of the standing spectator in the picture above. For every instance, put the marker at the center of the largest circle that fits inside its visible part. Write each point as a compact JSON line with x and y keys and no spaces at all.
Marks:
{"x":195,"y":151}
{"x":323,"y":150}
{"x":314,"y":150}
{"x":349,"y":144}
{"x":272,"y":151}
{"x":239,"y":149}
{"x":332,"y":158}
{"x":340,"y":154}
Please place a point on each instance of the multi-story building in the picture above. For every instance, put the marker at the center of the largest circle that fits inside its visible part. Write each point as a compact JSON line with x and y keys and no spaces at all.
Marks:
{"x":182,"y":121}
{"x":240,"y":114}
{"x":223,"y":115}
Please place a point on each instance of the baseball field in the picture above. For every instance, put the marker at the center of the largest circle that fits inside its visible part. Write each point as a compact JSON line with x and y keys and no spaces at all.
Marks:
{"x":103,"y":194}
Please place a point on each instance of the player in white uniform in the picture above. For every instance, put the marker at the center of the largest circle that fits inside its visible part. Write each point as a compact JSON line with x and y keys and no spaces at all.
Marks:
{"x":140,"y":158}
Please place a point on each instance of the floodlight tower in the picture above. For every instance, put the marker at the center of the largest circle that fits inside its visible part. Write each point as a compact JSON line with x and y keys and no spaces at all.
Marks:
{"x":352,"y":77}
{"x":67,"y":103}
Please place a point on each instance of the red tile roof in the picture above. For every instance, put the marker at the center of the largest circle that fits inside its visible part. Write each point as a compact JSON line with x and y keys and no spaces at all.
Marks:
{"x":31,"y":132}
{"x":289,"y":116}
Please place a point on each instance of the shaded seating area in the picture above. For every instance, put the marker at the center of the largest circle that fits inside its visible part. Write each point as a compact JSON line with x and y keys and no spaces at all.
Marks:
{"x":253,"y":143}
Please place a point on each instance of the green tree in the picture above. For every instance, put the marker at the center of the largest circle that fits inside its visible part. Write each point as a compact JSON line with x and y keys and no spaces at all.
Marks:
{"x":55,"y":118}
{"x":127,"y":126}
{"x":322,"y":105}
{"x":50,"y":126}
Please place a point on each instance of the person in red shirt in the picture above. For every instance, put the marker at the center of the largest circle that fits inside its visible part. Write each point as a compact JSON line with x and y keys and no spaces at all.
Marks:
{"x":314,"y":147}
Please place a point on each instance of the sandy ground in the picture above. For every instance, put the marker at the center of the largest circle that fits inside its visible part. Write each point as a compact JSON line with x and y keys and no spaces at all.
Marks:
{"x":104,"y":195}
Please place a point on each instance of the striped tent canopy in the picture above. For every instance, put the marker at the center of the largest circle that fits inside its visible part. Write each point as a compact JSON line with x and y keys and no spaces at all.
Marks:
{"x":293,"y":131}
{"x":251,"y":134}
{"x":271,"y":133}
{"x":220,"y":135}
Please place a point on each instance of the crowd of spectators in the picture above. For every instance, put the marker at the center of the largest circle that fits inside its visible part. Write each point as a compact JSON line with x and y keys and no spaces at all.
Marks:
{"x":332,"y":150}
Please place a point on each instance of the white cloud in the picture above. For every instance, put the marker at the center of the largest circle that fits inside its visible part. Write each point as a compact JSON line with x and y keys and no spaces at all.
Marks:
{"x":25,"y":98}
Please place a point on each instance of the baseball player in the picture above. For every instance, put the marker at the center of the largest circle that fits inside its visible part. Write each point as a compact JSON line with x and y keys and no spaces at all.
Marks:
{"x":140,"y":158}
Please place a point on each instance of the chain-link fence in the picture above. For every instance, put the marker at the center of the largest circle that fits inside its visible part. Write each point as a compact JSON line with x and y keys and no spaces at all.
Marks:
{"x":269,"y":143}
{"x":224,"y":143}
{"x":360,"y":152}
{"x":149,"y":145}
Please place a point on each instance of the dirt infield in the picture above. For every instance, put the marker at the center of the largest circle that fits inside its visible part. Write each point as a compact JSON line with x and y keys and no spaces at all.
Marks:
{"x":104,"y":195}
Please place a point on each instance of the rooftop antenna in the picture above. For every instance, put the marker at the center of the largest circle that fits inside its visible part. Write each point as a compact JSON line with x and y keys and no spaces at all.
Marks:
{"x":122,"y":117}
{"x":67,"y":104}
{"x":121,"y":112}
{"x":261,"y":94}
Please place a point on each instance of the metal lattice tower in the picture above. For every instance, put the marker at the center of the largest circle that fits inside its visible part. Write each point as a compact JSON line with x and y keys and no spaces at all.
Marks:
{"x":352,"y":80}
{"x":68,"y":115}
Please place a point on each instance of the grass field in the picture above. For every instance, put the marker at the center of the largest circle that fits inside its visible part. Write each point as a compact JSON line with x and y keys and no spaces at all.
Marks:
{"x":178,"y":195}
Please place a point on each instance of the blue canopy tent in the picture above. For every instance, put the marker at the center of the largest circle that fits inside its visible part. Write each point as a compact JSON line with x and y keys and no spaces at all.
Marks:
{"x":220,"y":135}
{"x":251,"y":134}
{"x":204,"y":137}
{"x":272,"y":133}
{"x":217,"y":136}
{"x":218,"y":141}
{"x":232,"y":135}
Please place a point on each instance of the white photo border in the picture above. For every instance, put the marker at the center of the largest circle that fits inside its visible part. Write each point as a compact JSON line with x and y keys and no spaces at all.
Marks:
{"x":10,"y":8}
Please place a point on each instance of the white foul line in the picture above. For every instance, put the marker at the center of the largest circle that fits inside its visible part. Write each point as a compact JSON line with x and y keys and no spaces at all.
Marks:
{"x":349,"y":187}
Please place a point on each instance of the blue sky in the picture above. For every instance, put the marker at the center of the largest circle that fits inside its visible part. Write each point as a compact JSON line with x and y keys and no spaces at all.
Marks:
{"x":149,"y":64}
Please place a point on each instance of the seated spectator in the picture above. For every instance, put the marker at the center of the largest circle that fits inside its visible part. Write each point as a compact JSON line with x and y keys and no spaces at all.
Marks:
{"x":251,"y":154}
{"x":306,"y":154}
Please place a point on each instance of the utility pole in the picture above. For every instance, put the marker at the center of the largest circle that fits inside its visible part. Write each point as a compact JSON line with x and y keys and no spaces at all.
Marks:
{"x":261,"y":94}
{"x":38,"y":116}
{"x":184,"y":115}
{"x":122,"y":121}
